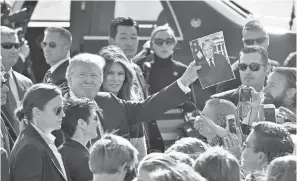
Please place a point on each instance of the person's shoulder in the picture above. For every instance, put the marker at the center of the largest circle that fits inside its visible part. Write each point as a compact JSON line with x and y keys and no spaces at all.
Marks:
{"x":22,"y":78}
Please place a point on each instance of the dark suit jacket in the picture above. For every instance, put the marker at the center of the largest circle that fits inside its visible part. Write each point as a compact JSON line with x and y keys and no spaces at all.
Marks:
{"x":9,"y":135}
{"x":231,"y":95}
{"x":76,"y":158}
{"x":4,"y":165}
{"x":212,"y":75}
{"x":23,"y":84}
{"x":59,"y":77}
{"x":32,"y":159}
{"x":119,"y":114}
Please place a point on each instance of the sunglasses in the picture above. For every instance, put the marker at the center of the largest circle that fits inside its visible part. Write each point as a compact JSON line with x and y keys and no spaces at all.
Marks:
{"x":8,"y":45}
{"x":253,"y":66}
{"x":168,"y":41}
{"x":253,"y":41}
{"x":50,"y":44}
{"x":58,"y":111}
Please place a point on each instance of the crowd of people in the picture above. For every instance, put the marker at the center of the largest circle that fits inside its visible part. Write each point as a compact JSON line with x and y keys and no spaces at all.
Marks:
{"x":94,"y":116}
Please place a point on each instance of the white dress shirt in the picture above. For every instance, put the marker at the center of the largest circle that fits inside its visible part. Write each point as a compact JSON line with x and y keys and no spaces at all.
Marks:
{"x":50,"y":140}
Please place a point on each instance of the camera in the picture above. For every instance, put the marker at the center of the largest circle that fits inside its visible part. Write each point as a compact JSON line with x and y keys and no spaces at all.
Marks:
{"x":245,"y":94}
{"x":231,"y":123}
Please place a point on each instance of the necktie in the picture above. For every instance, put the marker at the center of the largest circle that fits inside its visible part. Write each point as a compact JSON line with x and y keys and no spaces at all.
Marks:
{"x":11,"y":101}
{"x":47,"y":77}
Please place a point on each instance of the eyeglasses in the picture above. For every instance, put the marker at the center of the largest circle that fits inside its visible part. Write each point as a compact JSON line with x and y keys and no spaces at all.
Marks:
{"x":58,"y":111}
{"x":9,"y":45}
{"x":253,"y":66}
{"x":50,"y":44}
{"x":160,"y":42}
{"x":252,"y":41}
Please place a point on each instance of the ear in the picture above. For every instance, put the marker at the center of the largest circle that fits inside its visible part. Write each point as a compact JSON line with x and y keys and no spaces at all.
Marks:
{"x":111,"y":41}
{"x":81,"y":123}
{"x":291,"y":93}
{"x":36,"y":112}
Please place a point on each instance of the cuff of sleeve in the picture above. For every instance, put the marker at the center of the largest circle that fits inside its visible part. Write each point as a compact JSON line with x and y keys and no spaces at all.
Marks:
{"x":182,"y":87}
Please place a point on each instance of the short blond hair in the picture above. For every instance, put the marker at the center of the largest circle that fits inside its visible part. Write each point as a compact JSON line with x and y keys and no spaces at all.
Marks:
{"x":6,"y":31}
{"x":85,"y":58}
{"x":166,"y":28}
{"x":111,"y":152}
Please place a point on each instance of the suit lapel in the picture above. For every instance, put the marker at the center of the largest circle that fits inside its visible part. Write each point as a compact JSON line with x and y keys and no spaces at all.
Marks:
{"x":20,"y":87}
{"x":32,"y":132}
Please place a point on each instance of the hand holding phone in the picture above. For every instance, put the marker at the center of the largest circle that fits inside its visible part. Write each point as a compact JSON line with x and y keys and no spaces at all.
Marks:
{"x":245,"y":94}
{"x":231,"y":123}
{"x":269,"y":112}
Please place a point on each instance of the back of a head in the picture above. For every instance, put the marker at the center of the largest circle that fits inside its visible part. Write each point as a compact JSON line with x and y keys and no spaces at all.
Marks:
{"x":38,"y":95}
{"x":190,"y":146}
{"x":272,"y":139}
{"x":180,"y":172}
{"x":282,"y":169}
{"x":289,"y":73}
{"x":181,"y":157}
{"x":153,"y":161}
{"x":110,"y":153}
{"x":217,"y":164}
{"x":221,"y":108}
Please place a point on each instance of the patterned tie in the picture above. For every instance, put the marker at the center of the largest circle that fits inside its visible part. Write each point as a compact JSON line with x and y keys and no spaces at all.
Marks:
{"x":11,"y":101}
{"x":47,"y":77}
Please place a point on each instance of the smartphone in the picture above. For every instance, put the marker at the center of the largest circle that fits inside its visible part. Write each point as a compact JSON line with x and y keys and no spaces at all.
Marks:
{"x":231,"y":123}
{"x":269,"y":112}
{"x":245,"y":94}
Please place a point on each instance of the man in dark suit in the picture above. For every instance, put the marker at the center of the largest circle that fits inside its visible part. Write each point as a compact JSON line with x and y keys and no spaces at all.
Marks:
{"x":215,"y":67}
{"x":56,"y":48}
{"x":17,"y":83}
{"x":85,"y":77}
{"x":79,"y":127}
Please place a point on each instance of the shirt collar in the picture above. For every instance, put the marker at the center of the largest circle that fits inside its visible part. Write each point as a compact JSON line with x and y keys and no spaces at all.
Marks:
{"x":49,"y":139}
{"x":10,"y":73}
{"x":72,"y":95}
{"x":54,"y":67}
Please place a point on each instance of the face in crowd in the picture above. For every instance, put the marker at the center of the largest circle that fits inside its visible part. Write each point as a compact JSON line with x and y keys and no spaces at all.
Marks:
{"x":255,"y":37}
{"x":163,"y":43}
{"x":55,"y":47}
{"x":127,"y":39}
{"x":114,"y":78}
{"x":10,"y":47}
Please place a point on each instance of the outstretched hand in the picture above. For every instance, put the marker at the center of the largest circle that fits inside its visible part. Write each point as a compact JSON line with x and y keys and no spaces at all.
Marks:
{"x":190,"y":75}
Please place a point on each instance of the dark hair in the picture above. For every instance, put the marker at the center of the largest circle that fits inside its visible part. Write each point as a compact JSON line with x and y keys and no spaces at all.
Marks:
{"x":74,"y":110}
{"x":217,"y":164}
{"x":113,"y":54}
{"x":289,"y":73}
{"x":121,"y":21}
{"x":37,"y":95}
{"x":253,"y":25}
{"x":256,"y":49}
{"x":272,"y":139}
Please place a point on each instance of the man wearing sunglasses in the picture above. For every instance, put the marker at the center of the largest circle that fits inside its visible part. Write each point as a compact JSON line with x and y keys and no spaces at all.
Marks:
{"x":17,"y":83}
{"x":253,"y":33}
{"x":56,"y":48}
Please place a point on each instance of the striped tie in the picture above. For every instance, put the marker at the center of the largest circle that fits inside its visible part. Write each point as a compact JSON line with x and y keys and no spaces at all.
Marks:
{"x":47,"y":77}
{"x":11,"y":101}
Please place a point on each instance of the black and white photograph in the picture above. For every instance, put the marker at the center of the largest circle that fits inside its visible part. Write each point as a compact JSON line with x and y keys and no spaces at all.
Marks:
{"x":210,"y":52}
{"x":148,"y":90}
